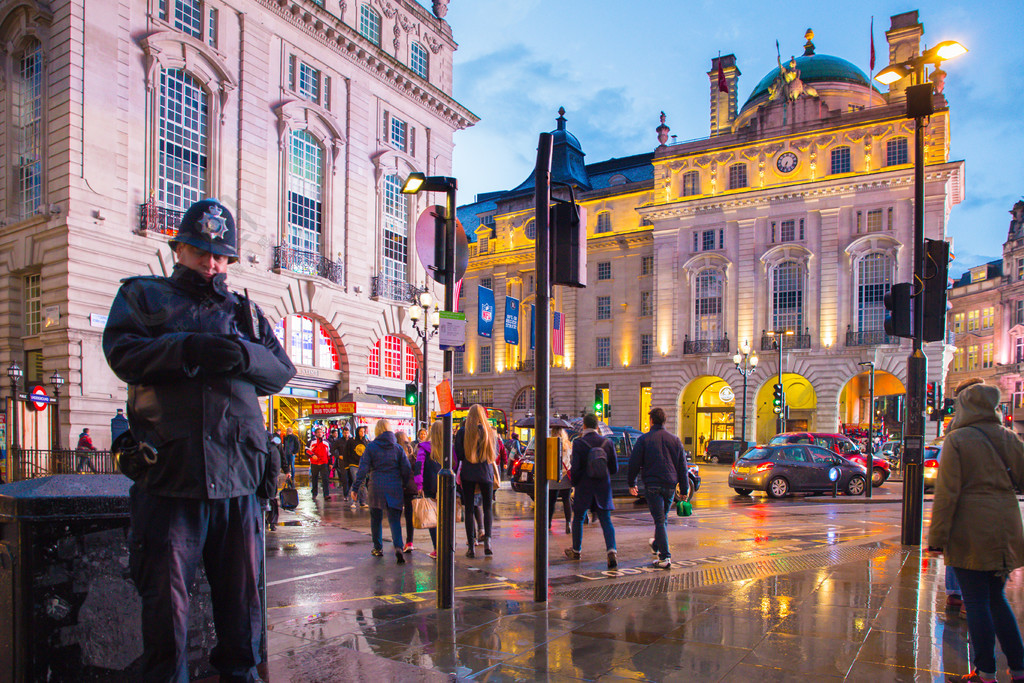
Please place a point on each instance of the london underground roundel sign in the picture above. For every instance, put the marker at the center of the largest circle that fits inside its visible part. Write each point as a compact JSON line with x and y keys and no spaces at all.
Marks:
{"x":38,"y":391}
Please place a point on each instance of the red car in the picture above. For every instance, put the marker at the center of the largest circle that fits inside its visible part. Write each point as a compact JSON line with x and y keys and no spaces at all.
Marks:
{"x":841,"y":444}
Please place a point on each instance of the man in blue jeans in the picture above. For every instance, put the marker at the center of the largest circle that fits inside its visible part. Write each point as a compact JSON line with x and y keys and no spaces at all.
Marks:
{"x":592,"y":487}
{"x":659,"y":456}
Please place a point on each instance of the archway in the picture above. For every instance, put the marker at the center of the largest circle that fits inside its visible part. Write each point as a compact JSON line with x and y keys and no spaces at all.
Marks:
{"x":854,"y":399}
{"x":707,"y":409}
{"x":801,"y":404}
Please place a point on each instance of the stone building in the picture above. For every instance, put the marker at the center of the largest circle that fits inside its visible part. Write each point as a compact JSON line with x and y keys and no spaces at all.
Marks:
{"x":1010,"y":359}
{"x":302,"y":116}
{"x":793,"y":217}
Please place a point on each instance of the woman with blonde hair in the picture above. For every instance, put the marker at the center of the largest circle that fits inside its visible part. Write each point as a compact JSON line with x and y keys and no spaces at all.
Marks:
{"x":562,"y":487}
{"x":476,"y":449}
{"x":389,"y":464}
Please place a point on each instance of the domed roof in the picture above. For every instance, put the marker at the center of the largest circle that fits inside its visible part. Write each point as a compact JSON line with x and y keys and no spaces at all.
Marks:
{"x":815,"y":69}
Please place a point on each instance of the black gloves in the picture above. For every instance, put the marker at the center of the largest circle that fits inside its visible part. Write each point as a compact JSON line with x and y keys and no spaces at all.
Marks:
{"x":213,"y":354}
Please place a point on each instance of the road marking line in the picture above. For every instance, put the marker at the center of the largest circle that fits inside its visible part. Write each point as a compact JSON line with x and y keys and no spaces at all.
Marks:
{"x":308,"y":576}
{"x":410,"y":597}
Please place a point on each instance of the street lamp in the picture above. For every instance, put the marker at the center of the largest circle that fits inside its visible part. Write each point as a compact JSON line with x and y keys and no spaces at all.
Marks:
{"x":746,"y":363}
{"x":919,"y":107}
{"x":57,"y":381}
{"x":429,"y":329}
{"x":14,"y":374}
{"x":777,"y":335}
{"x":414,"y":183}
{"x":871,"y":425}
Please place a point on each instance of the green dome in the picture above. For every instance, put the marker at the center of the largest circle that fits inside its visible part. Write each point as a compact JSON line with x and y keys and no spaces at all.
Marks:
{"x":815,"y":69}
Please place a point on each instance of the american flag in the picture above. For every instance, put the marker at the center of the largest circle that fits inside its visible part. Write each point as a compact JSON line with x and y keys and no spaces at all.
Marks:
{"x":558,"y":338}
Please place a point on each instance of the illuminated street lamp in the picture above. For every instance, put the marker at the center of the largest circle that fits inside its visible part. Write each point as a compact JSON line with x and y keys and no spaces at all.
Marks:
{"x":919,"y":107}
{"x":746,"y":363}
{"x":14,"y":374}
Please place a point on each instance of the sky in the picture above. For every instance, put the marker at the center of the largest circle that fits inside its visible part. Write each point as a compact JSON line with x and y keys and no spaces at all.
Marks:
{"x":615,"y":65}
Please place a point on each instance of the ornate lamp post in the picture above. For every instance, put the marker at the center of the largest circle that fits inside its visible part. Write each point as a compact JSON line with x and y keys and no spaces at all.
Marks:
{"x":746,"y":363}
{"x":429,"y":328}
{"x":57,"y":381}
{"x":14,"y":374}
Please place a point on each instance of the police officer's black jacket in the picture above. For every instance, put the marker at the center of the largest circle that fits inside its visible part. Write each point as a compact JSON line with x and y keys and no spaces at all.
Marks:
{"x":208,"y":429}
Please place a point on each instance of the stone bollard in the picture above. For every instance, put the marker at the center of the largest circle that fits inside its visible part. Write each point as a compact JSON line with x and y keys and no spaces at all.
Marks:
{"x":68,"y":608}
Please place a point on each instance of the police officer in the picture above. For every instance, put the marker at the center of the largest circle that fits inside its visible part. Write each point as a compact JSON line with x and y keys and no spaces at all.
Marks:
{"x":195,"y":357}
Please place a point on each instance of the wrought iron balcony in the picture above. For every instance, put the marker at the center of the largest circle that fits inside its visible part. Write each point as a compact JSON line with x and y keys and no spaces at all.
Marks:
{"x":153,"y":218}
{"x":869,"y":338}
{"x":384,"y":287}
{"x":308,"y":263}
{"x":526,"y":365}
{"x":789,"y":341}
{"x":706,"y":345}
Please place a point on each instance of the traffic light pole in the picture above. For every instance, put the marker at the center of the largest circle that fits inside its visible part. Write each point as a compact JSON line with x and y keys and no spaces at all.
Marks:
{"x":446,"y":477}
{"x":542,"y":195}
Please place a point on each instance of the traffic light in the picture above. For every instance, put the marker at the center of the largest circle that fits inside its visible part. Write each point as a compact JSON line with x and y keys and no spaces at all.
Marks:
{"x":947,"y":406}
{"x":929,"y":397}
{"x":598,"y":401}
{"x":898,"y":313}
{"x":411,"y":393}
{"x":777,"y":398}
{"x":936,"y":281}
{"x":568,"y":226}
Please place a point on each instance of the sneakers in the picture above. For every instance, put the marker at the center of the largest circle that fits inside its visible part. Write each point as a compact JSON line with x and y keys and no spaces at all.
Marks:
{"x":409,"y":547}
{"x":432,"y":554}
{"x":665,"y":563}
{"x":954,"y":600}
{"x":400,"y":557}
{"x":572,"y":554}
{"x":568,"y":528}
{"x":377,"y":552}
{"x":364,"y":506}
{"x":973,"y":677}
{"x":613,"y":559}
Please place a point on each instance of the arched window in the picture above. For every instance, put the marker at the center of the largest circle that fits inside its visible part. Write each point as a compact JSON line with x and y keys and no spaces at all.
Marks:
{"x":27,"y":120}
{"x":305,"y":183}
{"x":396,"y":229}
{"x":531,"y":229}
{"x":418,"y":60}
{"x":874,"y":278}
{"x":707,"y":296}
{"x":525,"y":399}
{"x":369,"y":24}
{"x":788,"y":296}
{"x":617,"y":179}
{"x":184,"y":121}
{"x":307,"y":343}
{"x":393,"y":358}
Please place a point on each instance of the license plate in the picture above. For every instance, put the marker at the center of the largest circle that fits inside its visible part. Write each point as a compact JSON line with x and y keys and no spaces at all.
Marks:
{"x":527,"y":467}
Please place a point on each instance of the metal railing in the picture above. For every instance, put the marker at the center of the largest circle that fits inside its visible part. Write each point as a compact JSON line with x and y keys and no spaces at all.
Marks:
{"x":308,"y":263}
{"x":789,"y":341}
{"x":384,"y":287}
{"x":869,"y":338}
{"x":526,"y":365}
{"x":28,"y":463}
{"x":153,"y":218}
{"x":706,"y":345}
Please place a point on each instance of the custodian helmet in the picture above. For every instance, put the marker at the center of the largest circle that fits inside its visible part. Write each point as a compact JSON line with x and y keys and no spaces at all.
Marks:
{"x":208,"y":225}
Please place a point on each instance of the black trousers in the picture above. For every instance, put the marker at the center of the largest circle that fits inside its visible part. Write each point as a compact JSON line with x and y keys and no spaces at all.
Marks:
{"x":168,"y":538}
{"x":318,"y":474}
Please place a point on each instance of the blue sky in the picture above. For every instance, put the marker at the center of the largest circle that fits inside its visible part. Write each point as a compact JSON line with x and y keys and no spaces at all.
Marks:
{"x":615,"y":65}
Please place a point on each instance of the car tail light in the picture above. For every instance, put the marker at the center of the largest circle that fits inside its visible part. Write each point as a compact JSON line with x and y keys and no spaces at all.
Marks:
{"x":765,"y":466}
{"x":931,"y":463}
{"x":515,"y":467}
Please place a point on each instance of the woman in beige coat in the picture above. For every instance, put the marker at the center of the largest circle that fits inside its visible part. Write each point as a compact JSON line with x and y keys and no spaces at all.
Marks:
{"x":976,"y":521}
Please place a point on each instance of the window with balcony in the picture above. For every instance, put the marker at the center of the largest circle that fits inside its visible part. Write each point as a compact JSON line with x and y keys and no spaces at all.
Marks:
{"x":26,"y":112}
{"x":707,"y":296}
{"x":369,"y":24}
{"x":737,"y":176}
{"x":874,"y":278}
{"x":604,"y":352}
{"x":396,"y":230}
{"x":604,"y":308}
{"x":305,"y":183}
{"x":840,"y":161}
{"x":788,"y":296}
{"x":183,"y":140}
{"x":691,"y":183}
{"x":419,"y":62}
{"x":604,"y":222}
{"x":896,"y":152}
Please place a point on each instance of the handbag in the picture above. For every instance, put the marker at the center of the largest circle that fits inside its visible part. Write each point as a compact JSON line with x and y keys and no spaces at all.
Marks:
{"x":684,"y":508}
{"x":424,"y":513}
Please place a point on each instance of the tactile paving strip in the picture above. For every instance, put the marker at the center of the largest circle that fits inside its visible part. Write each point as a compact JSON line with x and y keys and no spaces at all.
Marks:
{"x":689,"y":578}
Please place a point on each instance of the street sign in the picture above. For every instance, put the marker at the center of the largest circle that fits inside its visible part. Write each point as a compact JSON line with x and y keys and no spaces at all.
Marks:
{"x":39,"y":398}
{"x":452,"y":331}
{"x":430,"y":243}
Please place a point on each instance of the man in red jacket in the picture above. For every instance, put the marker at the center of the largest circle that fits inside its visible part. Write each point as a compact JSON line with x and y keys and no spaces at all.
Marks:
{"x":319,"y":462}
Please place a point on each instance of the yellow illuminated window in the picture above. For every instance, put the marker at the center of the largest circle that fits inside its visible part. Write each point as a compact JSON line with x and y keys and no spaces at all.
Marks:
{"x":988,"y":318}
{"x":972,"y":320}
{"x":972,"y":357}
{"x":958,"y":322}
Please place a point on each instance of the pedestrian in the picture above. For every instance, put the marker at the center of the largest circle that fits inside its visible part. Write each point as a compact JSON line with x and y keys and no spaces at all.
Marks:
{"x":561,"y":488}
{"x":976,"y":522}
{"x":417,"y":478}
{"x":291,"y":446}
{"x":476,"y":449}
{"x":429,"y":456}
{"x":592,"y":482}
{"x":82,"y":450}
{"x":274,"y":512}
{"x":319,"y":453}
{"x":338,"y":460}
{"x":196,"y":357}
{"x":353,"y":455}
{"x":118,"y":425}
{"x":386,"y":465}
{"x":658,"y":455}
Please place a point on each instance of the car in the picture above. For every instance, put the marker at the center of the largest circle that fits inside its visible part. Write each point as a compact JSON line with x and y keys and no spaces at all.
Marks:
{"x":784,"y":469}
{"x":841,"y":445}
{"x":725,"y":450}
{"x":622,"y":438}
{"x":931,"y":465}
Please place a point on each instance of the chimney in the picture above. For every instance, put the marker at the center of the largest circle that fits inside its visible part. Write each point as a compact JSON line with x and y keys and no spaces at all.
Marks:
{"x":723,"y":104}
{"x":904,"y":36}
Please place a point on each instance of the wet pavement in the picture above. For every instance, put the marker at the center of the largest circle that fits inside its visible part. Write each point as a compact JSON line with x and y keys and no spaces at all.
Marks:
{"x":792,"y":590}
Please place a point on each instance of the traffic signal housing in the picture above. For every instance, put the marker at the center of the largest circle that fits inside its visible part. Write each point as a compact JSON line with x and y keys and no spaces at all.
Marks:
{"x":568,"y":226}
{"x":599,"y":401}
{"x":898,"y":317}
{"x":411,"y":393}
{"x":936,"y":282}
{"x":929,"y":397}
{"x":948,"y":406}
{"x":778,"y":398}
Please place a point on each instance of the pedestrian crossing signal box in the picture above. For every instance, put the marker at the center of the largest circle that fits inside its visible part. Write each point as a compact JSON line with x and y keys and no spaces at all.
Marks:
{"x":554,"y":458}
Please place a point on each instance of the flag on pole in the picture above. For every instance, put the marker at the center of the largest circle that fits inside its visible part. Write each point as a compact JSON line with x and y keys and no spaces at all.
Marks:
{"x":558,"y":337}
{"x":871,"y":63}
{"x":723,"y":85}
{"x":458,"y":292}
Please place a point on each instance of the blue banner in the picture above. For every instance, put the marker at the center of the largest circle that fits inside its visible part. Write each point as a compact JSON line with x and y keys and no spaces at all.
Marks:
{"x":511,"y":321}
{"x":485,"y":311}
{"x":533,"y":327}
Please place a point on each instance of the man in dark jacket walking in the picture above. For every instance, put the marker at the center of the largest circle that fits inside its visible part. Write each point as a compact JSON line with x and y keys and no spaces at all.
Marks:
{"x":658,"y":454}
{"x":592,"y":488}
{"x":291,"y":447}
{"x":338,"y":460}
{"x":195,"y":357}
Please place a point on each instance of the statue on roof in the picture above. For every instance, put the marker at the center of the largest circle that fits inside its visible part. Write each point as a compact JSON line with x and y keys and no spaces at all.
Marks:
{"x":440,"y":8}
{"x":1017,"y":222}
{"x":662,"y":131}
{"x":787,"y":84}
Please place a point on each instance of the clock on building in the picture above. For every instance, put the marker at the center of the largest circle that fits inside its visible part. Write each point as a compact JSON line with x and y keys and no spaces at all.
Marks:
{"x":786,"y":162}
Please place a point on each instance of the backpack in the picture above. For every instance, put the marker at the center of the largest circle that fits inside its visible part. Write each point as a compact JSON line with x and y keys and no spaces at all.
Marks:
{"x":597,"y":461}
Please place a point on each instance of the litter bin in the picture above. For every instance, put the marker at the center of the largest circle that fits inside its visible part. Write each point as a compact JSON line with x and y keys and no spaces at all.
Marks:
{"x":68,"y":609}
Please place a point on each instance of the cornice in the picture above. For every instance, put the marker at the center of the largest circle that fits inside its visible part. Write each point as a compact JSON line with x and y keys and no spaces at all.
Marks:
{"x":333,"y":33}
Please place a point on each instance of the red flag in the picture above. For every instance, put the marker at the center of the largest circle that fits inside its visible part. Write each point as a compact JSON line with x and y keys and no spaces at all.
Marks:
{"x":723,"y":85}
{"x":871,"y":66}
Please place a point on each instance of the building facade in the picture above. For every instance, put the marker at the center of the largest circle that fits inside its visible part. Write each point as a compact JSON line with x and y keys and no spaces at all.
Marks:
{"x":303,"y":117}
{"x":790,"y":221}
{"x":1010,"y":360}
